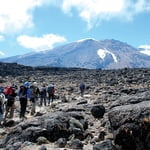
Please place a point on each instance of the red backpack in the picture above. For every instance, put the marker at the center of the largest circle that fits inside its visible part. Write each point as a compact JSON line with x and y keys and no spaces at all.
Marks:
{"x":8,"y":90}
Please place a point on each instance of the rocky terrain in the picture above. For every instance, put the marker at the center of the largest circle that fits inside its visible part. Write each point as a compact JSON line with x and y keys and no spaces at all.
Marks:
{"x":113,"y":114}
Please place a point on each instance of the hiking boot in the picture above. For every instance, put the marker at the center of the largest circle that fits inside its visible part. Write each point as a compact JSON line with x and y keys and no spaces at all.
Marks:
{"x":24,"y":117}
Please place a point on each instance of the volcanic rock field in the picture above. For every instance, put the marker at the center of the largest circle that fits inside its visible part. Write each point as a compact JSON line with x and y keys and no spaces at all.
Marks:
{"x":121,"y":99}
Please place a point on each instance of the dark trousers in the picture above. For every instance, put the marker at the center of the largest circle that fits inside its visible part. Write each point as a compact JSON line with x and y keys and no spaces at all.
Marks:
{"x":82,"y":92}
{"x":23,"y":106}
{"x":42,"y":98}
{"x":50,"y":97}
{"x":10,"y":107}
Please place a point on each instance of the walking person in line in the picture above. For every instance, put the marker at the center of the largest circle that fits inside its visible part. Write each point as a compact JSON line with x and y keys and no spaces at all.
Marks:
{"x":51,"y":92}
{"x":43,"y":95}
{"x":10,"y":93}
{"x":2,"y":100}
{"x":24,"y":95}
{"x":82,"y":88}
{"x":35,"y":92}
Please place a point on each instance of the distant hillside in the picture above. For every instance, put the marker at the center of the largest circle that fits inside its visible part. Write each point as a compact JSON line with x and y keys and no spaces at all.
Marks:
{"x":88,"y":53}
{"x":14,"y":69}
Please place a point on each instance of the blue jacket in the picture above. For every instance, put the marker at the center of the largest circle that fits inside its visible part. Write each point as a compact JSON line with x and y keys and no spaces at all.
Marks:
{"x":24,"y":92}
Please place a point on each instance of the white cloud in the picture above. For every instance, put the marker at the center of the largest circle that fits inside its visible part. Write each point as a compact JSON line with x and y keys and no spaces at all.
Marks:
{"x":1,"y":53}
{"x":146,"y":49}
{"x":1,"y":37}
{"x":147,"y":52}
{"x":91,"y":10}
{"x":43,"y":43}
{"x":145,"y":46}
{"x":94,"y":11}
{"x":17,"y":14}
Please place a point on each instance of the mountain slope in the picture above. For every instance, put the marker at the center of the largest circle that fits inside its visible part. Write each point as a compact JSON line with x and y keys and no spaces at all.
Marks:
{"x":87,"y":53}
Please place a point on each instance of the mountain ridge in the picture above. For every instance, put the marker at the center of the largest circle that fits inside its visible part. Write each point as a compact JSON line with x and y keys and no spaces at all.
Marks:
{"x":87,"y":53}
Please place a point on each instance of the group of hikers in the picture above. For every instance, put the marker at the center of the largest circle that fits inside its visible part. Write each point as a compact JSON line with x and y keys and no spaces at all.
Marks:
{"x":24,"y":93}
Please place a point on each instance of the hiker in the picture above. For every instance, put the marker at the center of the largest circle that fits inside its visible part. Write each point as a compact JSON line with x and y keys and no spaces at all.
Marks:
{"x":2,"y":101}
{"x":51,"y":92}
{"x":24,"y":95}
{"x":34,"y":91}
{"x":43,"y":95}
{"x":1,"y":89}
{"x":82,"y":88}
{"x":10,"y":93}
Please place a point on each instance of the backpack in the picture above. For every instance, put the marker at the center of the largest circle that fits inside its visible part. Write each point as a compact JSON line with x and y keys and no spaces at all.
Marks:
{"x":10,"y":95}
{"x":8,"y":90}
{"x":82,"y":86}
{"x":51,"y":89}
{"x":43,"y":91}
{"x":34,"y":91}
{"x":23,"y":92}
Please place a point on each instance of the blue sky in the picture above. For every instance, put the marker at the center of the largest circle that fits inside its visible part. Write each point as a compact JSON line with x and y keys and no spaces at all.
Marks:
{"x":37,"y":25}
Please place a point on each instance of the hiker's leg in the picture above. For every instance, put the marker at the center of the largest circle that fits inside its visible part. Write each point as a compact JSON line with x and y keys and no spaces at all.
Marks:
{"x":12,"y":108}
{"x":21,"y":107}
{"x":24,"y":107}
{"x":41,"y":100}
{"x":49,"y":97}
{"x":1,"y":118}
{"x":33,"y":107}
{"x":44,"y":101}
{"x":52,"y":97}
{"x":6,"y":113}
{"x":82,"y":92}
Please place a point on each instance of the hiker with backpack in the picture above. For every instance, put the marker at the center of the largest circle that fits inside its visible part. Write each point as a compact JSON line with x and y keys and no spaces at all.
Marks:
{"x":82,"y":88}
{"x":10,"y":93}
{"x":43,"y":95}
{"x":35,"y":92}
{"x":1,"y":89}
{"x":24,"y":95}
{"x":51,"y":92}
{"x":2,"y":101}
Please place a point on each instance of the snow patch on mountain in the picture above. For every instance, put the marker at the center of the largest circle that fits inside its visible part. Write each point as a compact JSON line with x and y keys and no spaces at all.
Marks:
{"x":102,"y":54}
{"x":82,"y":40}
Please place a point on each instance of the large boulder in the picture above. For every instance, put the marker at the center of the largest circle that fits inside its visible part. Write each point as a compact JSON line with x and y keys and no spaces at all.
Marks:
{"x":104,"y":145}
{"x":131,"y":99}
{"x":52,"y":126}
{"x":98,"y":111}
{"x":131,"y":126}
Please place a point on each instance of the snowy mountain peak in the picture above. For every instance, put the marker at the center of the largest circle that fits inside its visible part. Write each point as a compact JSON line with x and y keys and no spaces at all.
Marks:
{"x":88,"y":53}
{"x":103,"y":52}
{"x":87,"y":39}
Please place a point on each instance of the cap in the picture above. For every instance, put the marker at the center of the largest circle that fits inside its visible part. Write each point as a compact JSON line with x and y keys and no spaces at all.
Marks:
{"x":26,"y":84}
